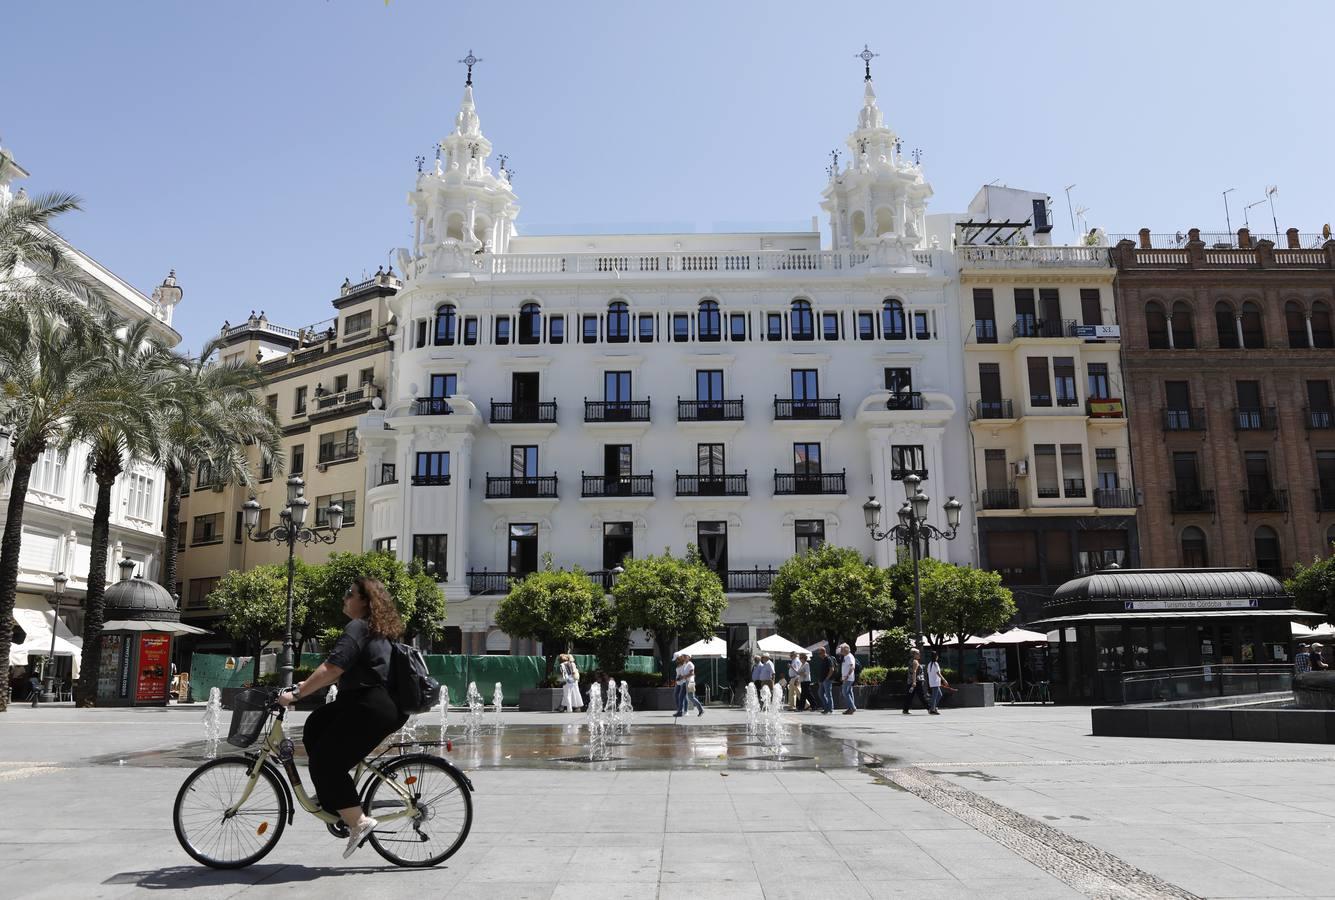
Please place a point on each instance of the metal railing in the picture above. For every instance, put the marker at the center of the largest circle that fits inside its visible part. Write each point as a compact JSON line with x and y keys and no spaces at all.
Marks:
{"x":1265,"y":501}
{"x":899,"y":473}
{"x":1196,"y":501}
{"x":809,"y":483}
{"x":1257,"y":418}
{"x":1073,"y":487}
{"x":617,"y":485}
{"x":985,"y":331}
{"x":993,"y":409}
{"x":431,"y":406}
{"x":748,"y":581}
{"x":1026,"y":327}
{"x":1000,"y":498}
{"x":711,"y":485}
{"x":1192,"y":419}
{"x":523,"y":412}
{"x":436,"y":480}
{"x":819,"y":408}
{"x":710,"y":410}
{"x":1200,"y":682}
{"x":1318,"y":419}
{"x":505,"y":487}
{"x":485,"y":582}
{"x":904,"y":400}
{"x":1005,"y":256}
{"x":616,"y":410}
{"x":1114,"y":498}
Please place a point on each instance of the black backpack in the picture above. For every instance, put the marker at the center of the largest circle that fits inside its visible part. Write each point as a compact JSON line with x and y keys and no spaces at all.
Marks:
{"x":410,"y":682}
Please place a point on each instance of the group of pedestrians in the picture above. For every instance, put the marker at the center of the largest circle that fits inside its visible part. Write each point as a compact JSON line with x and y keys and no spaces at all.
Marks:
{"x":1309,"y":659}
{"x":929,"y":676}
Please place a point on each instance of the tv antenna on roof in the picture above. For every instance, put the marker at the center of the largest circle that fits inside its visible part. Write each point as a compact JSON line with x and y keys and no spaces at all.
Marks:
{"x":1246,"y":222}
{"x":1069,"y":210}
{"x":1228,"y":222}
{"x":1270,"y":192}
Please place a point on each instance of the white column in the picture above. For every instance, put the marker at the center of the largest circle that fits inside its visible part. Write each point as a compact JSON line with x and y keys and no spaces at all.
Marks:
{"x":458,"y":552}
{"x":1237,"y":325}
{"x":1307,"y":320}
{"x":1171,"y":345}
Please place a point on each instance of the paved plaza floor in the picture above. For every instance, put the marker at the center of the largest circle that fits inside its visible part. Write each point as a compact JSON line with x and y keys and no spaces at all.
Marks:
{"x":1003,"y":802}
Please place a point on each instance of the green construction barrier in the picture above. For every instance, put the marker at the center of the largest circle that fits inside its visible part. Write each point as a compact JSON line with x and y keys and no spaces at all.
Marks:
{"x":209,"y":670}
{"x":514,"y":673}
{"x":452,"y":673}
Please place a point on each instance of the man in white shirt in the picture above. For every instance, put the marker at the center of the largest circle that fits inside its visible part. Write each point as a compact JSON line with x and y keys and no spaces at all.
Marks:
{"x":848,"y":672}
{"x":794,"y":680}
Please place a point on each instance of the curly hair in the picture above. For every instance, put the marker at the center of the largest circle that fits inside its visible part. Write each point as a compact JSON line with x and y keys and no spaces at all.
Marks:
{"x":382,"y":614}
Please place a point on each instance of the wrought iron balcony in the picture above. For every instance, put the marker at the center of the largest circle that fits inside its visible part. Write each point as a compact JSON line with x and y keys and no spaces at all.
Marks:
{"x":431,"y":480}
{"x":993,"y":409}
{"x":709,"y":410}
{"x":817,"y":408}
{"x":1000,"y":498}
{"x":616,"y":410}
{"x":749,"y":581}
{"x":1192,"y":419}
{"x":485,"y":582}
{"x":899,"y":473}
{"x":506,"y":487}
{"x":617,"y":485}
{"x":1041,"y":328}
{"x":985,"y":331}
{"x":328,"y":406}
{"x":809,"y":483}
{"x":1318,"y":418}
{"x":1114,"y":498}
{"x":904,"y":400}
{"x":523,"y":412}
{"x":711,"y":485}
{"x":1073,"y":487}
{"x":1266,"y":501}
{"x":1197,"y":501}
{"x":432,"y":406}
{"x":1255,"y":418}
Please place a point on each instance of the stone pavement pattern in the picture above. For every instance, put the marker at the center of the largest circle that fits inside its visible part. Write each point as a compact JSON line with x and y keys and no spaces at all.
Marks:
{"x":1006,"y":802}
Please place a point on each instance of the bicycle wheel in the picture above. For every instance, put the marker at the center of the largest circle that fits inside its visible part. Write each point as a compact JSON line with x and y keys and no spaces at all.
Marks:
{"x":444,"y":812}
{"x":216,"y":839}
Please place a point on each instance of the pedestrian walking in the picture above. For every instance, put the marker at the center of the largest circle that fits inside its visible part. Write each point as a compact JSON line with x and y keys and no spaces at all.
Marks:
{"x":848,"y":673}
{"x":687,"y":670}
{"x":935,"y":683}
{"x":823,"y":671}
{"x":1318,"y":660}
{"x":1302,"y":660}
{"x":794,"y":680}
{"x":914,"y":679}
{"x":804,"y":696}
{"x":762,"y":673}
{"x":570,"y":696}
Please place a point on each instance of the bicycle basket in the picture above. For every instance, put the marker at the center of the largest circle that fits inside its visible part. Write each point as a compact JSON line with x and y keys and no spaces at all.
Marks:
{"x":250,"y":708}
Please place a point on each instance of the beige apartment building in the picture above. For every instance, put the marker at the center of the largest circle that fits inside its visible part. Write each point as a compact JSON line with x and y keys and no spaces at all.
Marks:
{"x":319,"y":380}
{"x":1051,"y":454}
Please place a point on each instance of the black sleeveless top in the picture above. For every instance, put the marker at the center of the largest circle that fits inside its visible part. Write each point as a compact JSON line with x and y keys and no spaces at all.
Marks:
{"x":363,"y":657}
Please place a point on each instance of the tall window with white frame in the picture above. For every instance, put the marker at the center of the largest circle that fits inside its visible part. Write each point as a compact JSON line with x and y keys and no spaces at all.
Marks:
{"x":618,"y":544}
{"x":808,"y":534}
{"x":523,"y":549}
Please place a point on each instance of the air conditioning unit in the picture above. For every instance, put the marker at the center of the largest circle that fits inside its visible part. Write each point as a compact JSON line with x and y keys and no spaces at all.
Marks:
{"x":322,"y":467}
{"x":1020,"y":467}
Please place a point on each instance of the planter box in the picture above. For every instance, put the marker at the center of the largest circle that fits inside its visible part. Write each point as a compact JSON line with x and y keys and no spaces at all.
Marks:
{"x":540,"y":699}
{"x":653,"y":698}
{"x":970,"y":695}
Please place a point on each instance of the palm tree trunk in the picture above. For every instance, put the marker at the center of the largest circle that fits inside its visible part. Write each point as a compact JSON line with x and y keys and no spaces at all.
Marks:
{"x":170,"y":530}
{"x":85,"y":692}
{"x":9,"y":559}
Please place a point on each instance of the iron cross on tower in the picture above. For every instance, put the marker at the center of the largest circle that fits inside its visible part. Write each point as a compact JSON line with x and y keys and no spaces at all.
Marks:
{"x":866,"y":56}
{"x":470,"y":60}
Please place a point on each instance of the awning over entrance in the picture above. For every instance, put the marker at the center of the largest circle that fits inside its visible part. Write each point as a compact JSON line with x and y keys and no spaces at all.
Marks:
{"x":1133,"y":617}
{"x":159,"y":627}
{"x":36,"y":626}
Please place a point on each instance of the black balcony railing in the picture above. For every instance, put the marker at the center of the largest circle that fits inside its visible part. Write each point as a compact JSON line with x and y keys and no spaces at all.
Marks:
{"x":904,"y":400}
{"x":1197,"y":501}
{"x":749,"y":581}
{"x":1067,"y":401}
{"x":388,"y":474}
{"x":331,"y":405}
{"x":617,"y":485}
{"x":985,"y":331}
{"x":1192,"y":419}
{"x":709,"y":410}
{"x":616,"y":410}
{"x":504,"y":487}
{"x":523,"y":412}
{"x":1041,"y":328}
{"x":1272,"y":500}
{"x":1048,"y":492}
{"x":1325,"y":497}
{"x":485,"y":582}
{"x":1001,"y":498}
{"x":1255,"y":418}
{"x":432,"y":406}
{"x":431,"y":480}
{"x":711,"y":485}
{"x":1318,"y":418}
{"x":1073,"y":487}
{"x":993,"y":409}
{"x":1114,"y":498}
{"x":819,"y":408}
{"x":899,"y":473}
{"x":809,"y":483}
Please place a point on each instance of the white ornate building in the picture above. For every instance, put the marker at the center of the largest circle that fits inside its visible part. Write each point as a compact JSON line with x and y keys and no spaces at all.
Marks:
{"x":58,"y":516}
{"x":599,"y":395}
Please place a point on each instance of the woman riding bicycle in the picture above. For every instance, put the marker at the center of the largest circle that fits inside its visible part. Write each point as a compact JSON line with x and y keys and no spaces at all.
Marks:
{"x":339,"y":734}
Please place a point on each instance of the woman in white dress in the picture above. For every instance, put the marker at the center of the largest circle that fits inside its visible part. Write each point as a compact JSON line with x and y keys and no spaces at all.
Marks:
{"x":570,"y":696}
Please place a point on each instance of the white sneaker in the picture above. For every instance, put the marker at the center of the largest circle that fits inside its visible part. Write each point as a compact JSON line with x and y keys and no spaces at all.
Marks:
{"x":359,"y":834}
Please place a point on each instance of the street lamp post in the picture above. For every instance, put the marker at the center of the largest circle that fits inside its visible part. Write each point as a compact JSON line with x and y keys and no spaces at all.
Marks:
{"x":290,"y":530}
{"x":58,"y":582}
{"x":912,"y":529}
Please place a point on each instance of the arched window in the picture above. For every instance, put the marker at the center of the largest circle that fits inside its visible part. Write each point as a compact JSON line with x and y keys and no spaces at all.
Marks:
{"x":1184,"y":326}
{"x":1296,"y":323}
{"x":709,"y":326}
{"x":530,"y":323}
{"x":802,"y":324}
{"x":859,"y":223}
{"x":1321,"y":331}
{"x":618,"y":322}
{"x":1225,"y":328}
{"x":1195,"y":555}
{"x":1156,"y":326}
{"x":1253,"y":334}
{"x":447,"y":321}
{"x":1267,"y":551}
{"x":892,"y":321}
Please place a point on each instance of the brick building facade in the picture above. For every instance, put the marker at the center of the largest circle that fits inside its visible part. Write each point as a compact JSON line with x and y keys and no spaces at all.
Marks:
{"x":1228,"y":360}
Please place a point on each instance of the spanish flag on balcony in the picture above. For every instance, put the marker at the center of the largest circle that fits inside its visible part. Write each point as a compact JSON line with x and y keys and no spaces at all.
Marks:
{"x":1106,"y":408}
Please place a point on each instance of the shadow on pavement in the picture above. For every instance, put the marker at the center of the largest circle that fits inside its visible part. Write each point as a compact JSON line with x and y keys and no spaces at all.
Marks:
{"x":180,"y":877}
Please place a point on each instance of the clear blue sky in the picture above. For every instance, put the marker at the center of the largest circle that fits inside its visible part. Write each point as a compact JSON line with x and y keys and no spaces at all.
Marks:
{"x":264,"y":149}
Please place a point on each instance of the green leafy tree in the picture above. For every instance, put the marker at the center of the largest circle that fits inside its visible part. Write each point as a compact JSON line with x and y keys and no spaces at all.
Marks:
{"x":254,"y":606}
{"x":957,"y":601}
{"x":1313,"y":586}
{"x":831,"y":592}
{"x":418,"y":597}
{"x":671,"y":598}
{"x":609,"y":637}
{"x":549,"y":606}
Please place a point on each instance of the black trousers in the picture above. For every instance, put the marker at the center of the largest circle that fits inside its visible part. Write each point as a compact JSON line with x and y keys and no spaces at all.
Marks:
{"x":339,"y":735}
{"x":918,"y":692}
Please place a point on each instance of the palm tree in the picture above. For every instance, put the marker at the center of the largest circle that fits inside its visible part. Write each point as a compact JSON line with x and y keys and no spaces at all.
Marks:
{"x":215,"y":415}
{"x":138,"y":372}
